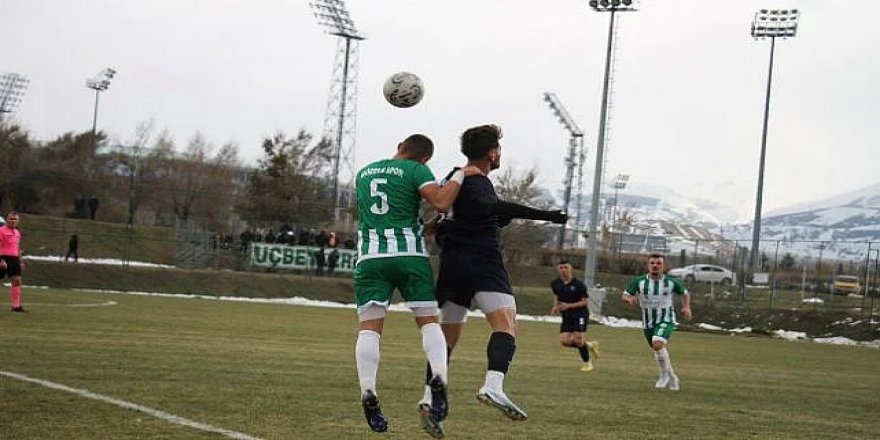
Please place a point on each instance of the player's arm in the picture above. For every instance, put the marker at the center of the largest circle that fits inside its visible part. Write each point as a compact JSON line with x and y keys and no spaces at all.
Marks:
{"x":628,"y":296}
{"x":678,"y":288}
{"x":510,"y":210}
{"x":442,"y":197}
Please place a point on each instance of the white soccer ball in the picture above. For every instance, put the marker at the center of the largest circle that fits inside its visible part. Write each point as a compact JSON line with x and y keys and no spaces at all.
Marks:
{"x":403,"y":89}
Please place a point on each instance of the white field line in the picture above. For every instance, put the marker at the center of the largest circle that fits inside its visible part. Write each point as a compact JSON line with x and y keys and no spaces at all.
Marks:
{"x":132,"y":406}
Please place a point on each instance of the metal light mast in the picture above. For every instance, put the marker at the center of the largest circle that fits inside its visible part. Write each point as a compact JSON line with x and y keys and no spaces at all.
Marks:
{"x":12,"y":88}
{"x":770,"y":24}
{"x":340,"y":119}
{"x":99,"y":83}
{"x":574,"y":158}
{"x":612,"y":6}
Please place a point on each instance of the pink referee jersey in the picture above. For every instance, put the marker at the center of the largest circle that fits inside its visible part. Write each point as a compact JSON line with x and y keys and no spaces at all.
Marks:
{"x":10,"y":239}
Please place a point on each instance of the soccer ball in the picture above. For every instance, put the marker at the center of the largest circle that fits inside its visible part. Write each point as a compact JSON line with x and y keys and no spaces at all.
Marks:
{"x":403,"y":89}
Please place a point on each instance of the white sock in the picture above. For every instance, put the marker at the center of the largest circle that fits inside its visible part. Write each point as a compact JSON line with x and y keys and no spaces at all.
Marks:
{"x":366,"y":352}
{"x":662,"y":357}
{"x":434,"y":344}
{"x":494,"y":380}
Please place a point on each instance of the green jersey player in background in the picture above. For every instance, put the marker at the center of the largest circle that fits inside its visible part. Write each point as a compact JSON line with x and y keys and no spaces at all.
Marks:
{"x":654,"y":291}
{"x":392,"y":255}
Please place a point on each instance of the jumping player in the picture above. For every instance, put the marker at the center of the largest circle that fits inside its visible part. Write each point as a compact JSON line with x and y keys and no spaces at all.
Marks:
{"x":654,"y":291}
{"x":571,"y":302}
{"x":471,"y":267}
{"x":10,"y":257}
{"x":392,"y":255}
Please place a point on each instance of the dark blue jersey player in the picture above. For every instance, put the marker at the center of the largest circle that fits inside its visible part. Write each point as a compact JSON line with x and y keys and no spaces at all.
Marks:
{"x":471,"y":268}
{"x":571,"y":302}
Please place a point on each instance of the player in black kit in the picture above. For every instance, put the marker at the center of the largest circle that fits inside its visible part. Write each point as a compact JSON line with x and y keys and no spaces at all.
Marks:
{"x":571,"y":302}
{"x":471,"y":267}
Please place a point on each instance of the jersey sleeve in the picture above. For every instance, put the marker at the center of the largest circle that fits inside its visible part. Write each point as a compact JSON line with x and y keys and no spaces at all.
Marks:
{"x":678,"y":287}
{"x":632,"y":288}
{"x":422,"y":176}
{"x":584,"y":292}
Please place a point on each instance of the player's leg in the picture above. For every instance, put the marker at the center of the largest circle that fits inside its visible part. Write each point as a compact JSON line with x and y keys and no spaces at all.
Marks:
{"x":13,"y":269}
{"x":579,"y":341}
{"x":500,"y":310}
{"x":452,"y":319}
{"x":417,"y":289}
{"x":373,"y":293}
{"x":659,"y":340}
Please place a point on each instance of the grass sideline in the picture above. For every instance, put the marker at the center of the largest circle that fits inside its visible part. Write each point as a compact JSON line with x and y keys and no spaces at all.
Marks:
{"x":287,"y":372}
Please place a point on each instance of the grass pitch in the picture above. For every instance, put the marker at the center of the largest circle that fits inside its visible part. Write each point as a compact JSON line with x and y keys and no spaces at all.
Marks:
{"x":287,"y":372}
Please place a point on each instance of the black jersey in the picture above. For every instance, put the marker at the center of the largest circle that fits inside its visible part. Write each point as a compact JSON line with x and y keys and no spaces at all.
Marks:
{"x":471,"y":223}
{"x":572,"y":292}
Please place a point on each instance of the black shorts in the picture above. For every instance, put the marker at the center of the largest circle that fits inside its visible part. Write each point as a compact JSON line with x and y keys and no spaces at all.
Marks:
{"x":13,"y":266}
{"x":574,"y":321}
{"x":464,"y":272}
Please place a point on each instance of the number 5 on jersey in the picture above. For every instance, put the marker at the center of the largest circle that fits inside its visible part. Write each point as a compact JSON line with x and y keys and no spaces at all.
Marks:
{"x":382,"y":207}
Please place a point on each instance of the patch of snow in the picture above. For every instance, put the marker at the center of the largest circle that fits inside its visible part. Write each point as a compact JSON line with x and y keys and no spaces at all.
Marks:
{"x":103,"y":261}
{"x":789,"y":335}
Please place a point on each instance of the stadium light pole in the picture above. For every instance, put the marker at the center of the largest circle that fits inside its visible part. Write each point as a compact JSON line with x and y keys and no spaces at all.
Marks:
{"x":99,"y":83}
{"x":611,"y":6}
{"x":12,"y":88}
{"x":620,"y":182}
{"x":768,"y":23}
{"x":333,"y":15}
{"x":575,"y":143}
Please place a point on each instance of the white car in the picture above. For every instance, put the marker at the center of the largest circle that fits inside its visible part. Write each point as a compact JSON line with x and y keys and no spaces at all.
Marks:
{"x":706,"y":273}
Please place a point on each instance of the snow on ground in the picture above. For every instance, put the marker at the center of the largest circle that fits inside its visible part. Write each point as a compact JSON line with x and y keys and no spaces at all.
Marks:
{"x":609,"y":321}
{"x":104,"y":261}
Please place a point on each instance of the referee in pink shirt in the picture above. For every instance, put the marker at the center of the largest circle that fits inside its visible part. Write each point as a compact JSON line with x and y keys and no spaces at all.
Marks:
{"x":10,"y":257}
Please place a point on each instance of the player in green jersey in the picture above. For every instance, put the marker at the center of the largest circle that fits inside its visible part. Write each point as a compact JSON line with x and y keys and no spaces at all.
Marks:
{"x":654,"y":292}
{"x":392,"y":255}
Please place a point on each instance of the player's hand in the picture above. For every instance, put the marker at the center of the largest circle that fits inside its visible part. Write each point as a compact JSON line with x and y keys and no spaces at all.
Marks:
{"x":430,"y":228}
{"x":563,"y":307}
{"x":471,"y":170}
{"x":686,"y":311}
{"x":557,"y":216}
{"x":554,"y":310}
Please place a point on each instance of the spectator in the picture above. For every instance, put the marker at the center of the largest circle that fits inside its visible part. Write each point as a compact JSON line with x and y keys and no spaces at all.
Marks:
{"x":320,"y":261}
{"x":321,"y":239}
{"x":246,"y":237}
{"x":93,"y":207}
{"x":79,"y":207}
{"x":304,"y":238}
{"x":269,"y":237}
{"x":331,"y":240}
{"x":72,"y":249}
{"x":332,"y":260}
{"x":349,"y":243}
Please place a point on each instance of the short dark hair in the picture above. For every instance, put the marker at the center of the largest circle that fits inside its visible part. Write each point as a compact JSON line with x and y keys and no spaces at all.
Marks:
{"x":476,"y":142}
{"x":561,"y":262}
{"x":417,"y":146}
{"x":661,"y":256}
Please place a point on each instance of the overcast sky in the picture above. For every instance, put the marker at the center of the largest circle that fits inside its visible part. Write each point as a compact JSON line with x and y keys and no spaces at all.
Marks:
{"x":687,"y":105}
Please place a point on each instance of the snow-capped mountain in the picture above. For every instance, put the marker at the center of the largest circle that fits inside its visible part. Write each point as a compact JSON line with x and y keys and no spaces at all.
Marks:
{"x":839,"y":226}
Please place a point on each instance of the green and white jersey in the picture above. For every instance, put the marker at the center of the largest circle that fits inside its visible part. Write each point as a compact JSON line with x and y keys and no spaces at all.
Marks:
{"x":655,"y":297}
{"x":388,"y":208}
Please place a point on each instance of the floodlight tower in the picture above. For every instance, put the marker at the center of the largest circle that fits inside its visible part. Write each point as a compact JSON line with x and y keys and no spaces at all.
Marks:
{"x":619,"y":183}
{"x":768,"y":23}
{"x":12,"y":88}
{"x":340,"y":119}
{"x":575,"y":148}
{"x":612,"y":6}
{"x":99,"y":83}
